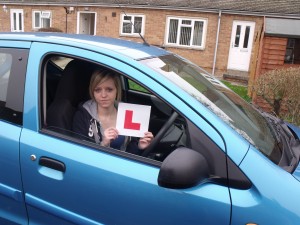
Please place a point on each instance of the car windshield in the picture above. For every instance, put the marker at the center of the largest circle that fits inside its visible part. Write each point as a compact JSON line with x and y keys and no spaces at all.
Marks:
{"x":232,"y":109}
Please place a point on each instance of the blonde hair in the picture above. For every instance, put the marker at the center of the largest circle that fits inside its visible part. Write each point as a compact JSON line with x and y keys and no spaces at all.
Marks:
{"x":100,"y":76}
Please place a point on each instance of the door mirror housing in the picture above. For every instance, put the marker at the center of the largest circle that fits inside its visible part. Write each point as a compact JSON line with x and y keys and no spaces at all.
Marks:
{"x":183,"y":168}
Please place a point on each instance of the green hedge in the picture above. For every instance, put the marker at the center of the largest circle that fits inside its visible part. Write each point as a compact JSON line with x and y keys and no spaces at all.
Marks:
{"x":280,"y":88}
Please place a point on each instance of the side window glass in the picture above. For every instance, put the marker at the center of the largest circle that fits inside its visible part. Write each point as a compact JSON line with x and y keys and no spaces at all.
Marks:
{"x":12,"y":80}
{"x":5,"y":66}
{"x":136,"y":87}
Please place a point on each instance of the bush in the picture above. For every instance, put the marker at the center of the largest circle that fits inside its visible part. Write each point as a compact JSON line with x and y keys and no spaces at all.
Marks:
{"x":50,"y":29}
{"x":280,"y":88}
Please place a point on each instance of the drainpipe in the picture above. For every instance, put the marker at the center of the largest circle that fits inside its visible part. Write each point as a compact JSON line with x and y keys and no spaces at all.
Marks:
{"x":67,"y":12}
{"x":217,"y":42}
{"x":66,"y":19}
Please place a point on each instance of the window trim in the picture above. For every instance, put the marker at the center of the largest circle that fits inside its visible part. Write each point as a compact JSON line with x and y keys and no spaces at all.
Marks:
{"x":292,"y":56}
{"x":41,"y":17}
{"x":132,"y":34}
{"x":180,"y":19}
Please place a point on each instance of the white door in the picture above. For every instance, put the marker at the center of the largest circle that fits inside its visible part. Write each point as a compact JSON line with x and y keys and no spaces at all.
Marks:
{"x":241,"y":45}
{"x":17,"y":20}
{"x":86,"y":23}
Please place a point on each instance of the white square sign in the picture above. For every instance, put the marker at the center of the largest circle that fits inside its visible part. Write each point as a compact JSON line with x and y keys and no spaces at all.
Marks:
{"x":133,"y":119}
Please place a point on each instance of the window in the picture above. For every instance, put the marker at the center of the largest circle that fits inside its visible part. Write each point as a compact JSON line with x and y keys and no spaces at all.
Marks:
{"x":5,"y":65}
{"x":12,"y":79}
{"x":292,"y":54}
{"x":41,"y":19}
{"x":132,"y":25}
{"x":17,"y":21}
{"x":136,"y":87}
{"x":66,"y":88}
{"x":186,"y":32}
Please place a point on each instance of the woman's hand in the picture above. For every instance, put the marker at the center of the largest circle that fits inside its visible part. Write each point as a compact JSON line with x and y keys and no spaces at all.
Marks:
{"x":109,"y":135}
{"x":145,"y":141}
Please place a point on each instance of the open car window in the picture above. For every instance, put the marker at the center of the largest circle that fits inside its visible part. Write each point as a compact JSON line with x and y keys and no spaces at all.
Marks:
{"x":66,"y":88}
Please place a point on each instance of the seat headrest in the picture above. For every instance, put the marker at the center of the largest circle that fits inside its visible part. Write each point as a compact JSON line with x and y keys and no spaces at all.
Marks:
{"x":75,"y":82}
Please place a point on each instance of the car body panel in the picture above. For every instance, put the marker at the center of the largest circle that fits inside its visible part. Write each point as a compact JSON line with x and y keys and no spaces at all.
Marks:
{"x":15,"y":43}
{"x":268,"y":181}
{"x":128,"y":49}
{"x":294,"y":129}
{"x":89,"y":171}
{"x":12,"y":205}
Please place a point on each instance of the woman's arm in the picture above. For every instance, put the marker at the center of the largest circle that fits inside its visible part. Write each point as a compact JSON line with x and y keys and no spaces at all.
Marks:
{"x":81,"y":123}
{"x":145,"y":141}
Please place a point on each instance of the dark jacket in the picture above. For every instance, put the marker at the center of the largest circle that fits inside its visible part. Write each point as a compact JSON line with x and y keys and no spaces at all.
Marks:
{"x":86,"y":115}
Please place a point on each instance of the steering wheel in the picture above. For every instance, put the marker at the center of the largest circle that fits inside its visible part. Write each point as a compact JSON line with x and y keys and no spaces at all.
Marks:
{"x":160,"y":134}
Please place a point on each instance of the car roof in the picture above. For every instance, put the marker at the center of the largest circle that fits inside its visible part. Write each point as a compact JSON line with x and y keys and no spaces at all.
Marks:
{"x":130,"y":49}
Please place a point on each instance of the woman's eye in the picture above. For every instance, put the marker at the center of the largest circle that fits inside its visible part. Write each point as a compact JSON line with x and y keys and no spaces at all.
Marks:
{"x":97,"y":90}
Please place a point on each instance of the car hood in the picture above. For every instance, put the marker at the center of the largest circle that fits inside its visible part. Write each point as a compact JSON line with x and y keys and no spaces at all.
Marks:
{"x":296,"y":130}
{"x":296,"y":173}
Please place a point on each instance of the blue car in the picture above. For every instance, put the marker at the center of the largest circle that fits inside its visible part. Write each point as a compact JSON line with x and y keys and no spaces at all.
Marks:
{"x":214,"y":158}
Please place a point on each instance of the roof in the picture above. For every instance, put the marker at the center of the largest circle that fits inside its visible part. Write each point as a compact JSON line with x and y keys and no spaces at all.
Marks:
{"x":110,"y":46}
{"x":265,"y":7}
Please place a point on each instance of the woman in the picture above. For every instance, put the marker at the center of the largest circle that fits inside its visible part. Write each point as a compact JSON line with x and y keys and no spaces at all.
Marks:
{"x":97,"y":117}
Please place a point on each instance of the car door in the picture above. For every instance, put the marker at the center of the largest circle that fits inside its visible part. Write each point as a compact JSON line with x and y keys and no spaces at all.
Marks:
{"x":13,"y":62}
{"x":69,"y":181}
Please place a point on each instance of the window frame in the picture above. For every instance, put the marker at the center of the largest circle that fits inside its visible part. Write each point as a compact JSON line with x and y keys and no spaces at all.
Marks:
{"x":131,"y":22}
{"x":180,"y":25}
{"x":40,"y":19}
{"x":292,"y":52}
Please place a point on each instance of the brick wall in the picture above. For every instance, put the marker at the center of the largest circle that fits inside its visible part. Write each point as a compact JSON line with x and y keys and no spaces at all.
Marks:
{"x":108,"y":25}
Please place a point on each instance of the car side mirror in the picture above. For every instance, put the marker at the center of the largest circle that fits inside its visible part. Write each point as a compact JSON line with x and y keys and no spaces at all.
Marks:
{"x":183,"y":168}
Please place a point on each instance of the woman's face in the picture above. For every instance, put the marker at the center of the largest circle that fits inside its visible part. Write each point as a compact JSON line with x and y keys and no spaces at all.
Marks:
{"x":105,"y":93}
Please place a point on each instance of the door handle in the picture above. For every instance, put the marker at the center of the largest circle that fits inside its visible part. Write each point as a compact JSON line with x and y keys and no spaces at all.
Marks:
{"x":52,"y":164}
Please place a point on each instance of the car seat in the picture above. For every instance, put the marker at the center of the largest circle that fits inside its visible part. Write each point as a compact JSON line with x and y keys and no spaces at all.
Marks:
{"x":71,"y":90}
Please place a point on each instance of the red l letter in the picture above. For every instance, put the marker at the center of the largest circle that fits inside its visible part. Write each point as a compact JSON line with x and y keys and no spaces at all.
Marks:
{"x":128,"y":124}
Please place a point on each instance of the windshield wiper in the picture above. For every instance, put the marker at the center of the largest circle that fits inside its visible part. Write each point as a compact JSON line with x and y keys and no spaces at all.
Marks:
{"x":285,"y":142}
{"x":290,"y":156}
{"x":273,"y":124}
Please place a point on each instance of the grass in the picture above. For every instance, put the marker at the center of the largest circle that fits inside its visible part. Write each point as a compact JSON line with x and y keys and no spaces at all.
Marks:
{"x":137,"y":87}
{"x":240,"y":90}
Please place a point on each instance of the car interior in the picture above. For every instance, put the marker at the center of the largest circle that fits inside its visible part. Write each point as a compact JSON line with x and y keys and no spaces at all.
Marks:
{"x":66,"y":86}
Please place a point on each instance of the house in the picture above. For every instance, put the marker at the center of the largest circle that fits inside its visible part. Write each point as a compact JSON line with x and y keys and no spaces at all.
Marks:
{"x":237,"y":39}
